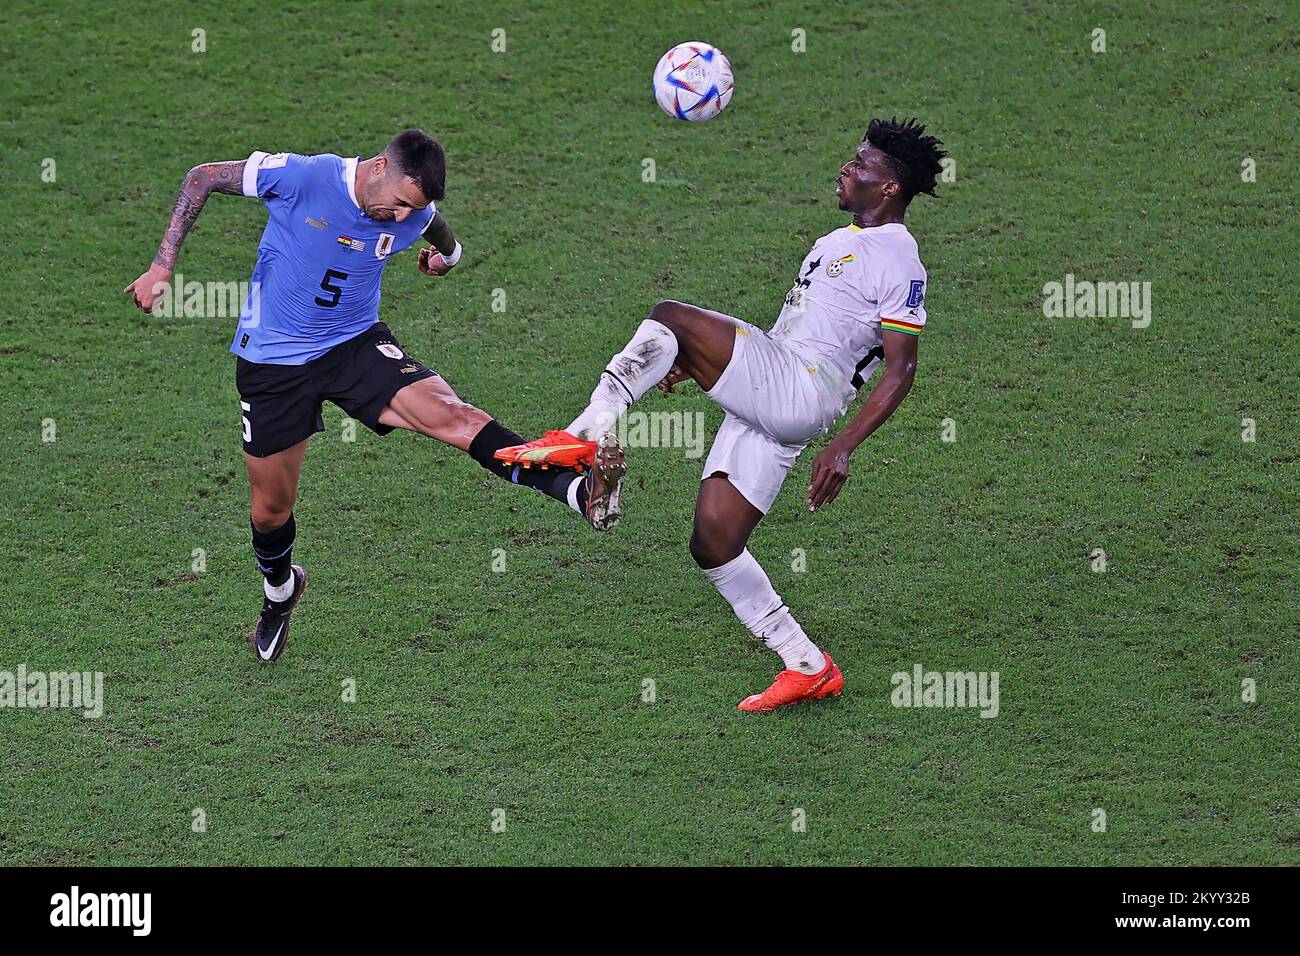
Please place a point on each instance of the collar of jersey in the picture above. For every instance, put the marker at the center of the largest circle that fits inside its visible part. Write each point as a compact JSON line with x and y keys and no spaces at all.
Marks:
{"x":883,"y":225}
{"x":349,"y":179}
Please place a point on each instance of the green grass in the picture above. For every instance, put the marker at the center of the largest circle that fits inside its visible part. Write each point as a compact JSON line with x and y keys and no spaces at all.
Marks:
{"x":521,"y":690}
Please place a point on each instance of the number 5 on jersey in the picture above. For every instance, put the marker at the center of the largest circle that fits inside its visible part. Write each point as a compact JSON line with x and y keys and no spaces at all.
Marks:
{"x":334,"y":290}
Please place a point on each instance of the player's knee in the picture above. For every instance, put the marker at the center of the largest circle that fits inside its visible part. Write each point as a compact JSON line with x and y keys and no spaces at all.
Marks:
{"x":455,"y":421}
{"x":701,"y":551}
{"x":269,"y":515}
{"x":711,"y":549}
{"x":669,"y":312}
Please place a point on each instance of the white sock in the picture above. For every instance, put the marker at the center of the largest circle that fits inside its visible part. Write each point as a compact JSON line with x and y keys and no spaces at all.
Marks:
{"x":746,"y":587}
{"x":573,"y":493}
{"x":283,"y":592}
{"x":642,"y":364}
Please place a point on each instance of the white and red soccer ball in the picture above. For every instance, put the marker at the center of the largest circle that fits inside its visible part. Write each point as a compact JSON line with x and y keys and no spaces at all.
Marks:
{"x":693,"y":81}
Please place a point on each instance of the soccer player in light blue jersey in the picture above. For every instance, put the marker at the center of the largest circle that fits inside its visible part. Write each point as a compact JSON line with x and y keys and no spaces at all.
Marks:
{"x":310,"y":332}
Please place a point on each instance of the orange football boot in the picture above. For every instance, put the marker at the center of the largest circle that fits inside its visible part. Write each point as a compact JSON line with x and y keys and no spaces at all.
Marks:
{"x":792,"y":687}
{"x":555,"y":449}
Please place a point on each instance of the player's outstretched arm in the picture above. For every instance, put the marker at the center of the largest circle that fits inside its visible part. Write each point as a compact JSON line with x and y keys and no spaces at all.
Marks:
{"x":443,"y":251}
{"x":200,"y":182}
{"x":831,"y":466}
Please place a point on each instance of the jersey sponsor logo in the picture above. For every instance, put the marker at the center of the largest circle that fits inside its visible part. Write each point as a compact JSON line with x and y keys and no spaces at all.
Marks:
{"x":915,"y":294}
{"x":274,"y":161}
{"x":409,"y":368}
{"x":837,"y":267}
{"x":385,"y":244}
{"x":389,"y":349}
{"x":317,"y":223}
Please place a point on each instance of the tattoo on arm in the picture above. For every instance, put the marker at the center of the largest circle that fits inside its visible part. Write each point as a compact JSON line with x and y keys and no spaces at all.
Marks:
{"x":200,"y":182}
{"x":440,"y":236}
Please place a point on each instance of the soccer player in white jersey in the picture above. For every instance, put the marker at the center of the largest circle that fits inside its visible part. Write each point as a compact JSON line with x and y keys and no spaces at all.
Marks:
{"x":856,"y":304}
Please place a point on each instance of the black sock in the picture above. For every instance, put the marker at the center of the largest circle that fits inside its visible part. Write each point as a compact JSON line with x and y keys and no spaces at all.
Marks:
{"x":274,"y":550}
{"x":553,"y":482}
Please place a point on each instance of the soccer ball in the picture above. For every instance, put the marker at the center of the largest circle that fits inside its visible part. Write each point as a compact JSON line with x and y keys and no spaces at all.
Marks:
{"x":693,"y":81}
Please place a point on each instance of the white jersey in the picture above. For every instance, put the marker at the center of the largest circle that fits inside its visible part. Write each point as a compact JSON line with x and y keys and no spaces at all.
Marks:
{"x":853,"y":284}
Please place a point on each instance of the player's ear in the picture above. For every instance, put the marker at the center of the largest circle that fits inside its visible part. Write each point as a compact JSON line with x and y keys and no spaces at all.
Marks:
{"x":380,"y":166}
{"x":890,"y":188}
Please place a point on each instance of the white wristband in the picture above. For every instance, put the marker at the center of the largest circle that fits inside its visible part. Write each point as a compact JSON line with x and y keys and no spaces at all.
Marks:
{"x":454,"y":257}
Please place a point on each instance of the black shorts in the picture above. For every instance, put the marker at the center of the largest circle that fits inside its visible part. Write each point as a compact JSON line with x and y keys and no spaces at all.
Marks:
{"x":282,"y":403}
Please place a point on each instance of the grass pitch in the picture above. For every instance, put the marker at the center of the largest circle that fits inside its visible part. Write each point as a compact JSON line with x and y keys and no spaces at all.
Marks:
{"x":521,"y":691}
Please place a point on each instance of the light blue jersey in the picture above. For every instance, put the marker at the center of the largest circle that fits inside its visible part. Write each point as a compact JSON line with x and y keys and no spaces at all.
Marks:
{"x":320,"y":261}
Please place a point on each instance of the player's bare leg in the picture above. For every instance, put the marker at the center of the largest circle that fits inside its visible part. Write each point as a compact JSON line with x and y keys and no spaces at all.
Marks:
{"x":431,"y":407}
{"x":676,"y":336}
{"x":705,"y":339}
{"x":724,"y":520}
{"x":273,"y":487}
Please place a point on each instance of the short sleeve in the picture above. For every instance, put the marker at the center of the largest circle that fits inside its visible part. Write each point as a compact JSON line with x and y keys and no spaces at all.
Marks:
{"x":272,"y":175}
{"x":901,"y":295}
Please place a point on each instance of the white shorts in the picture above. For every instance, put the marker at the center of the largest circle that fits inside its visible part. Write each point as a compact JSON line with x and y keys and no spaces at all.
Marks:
{"x":775,"y":405}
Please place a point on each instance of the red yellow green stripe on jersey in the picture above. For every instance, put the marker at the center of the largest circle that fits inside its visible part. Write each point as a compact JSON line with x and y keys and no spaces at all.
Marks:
{"x":898,"y":325}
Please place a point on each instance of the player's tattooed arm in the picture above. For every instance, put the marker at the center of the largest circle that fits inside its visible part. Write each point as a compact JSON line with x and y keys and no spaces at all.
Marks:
{"x":200,"y":182}
{"x":831,"y":466}
{"x":443,"y":251}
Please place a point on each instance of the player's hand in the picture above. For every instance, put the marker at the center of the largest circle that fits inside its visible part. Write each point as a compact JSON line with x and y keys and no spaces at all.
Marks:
{"x":148,"y":289}
{"x":830,"y":471}
{"x":674,"y":376}
{"x":432,"y":263}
